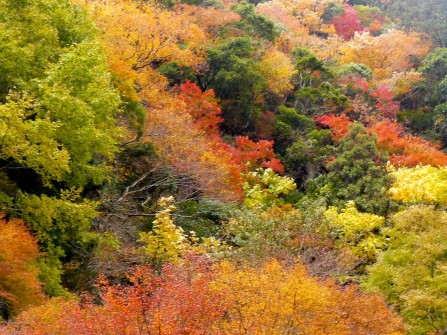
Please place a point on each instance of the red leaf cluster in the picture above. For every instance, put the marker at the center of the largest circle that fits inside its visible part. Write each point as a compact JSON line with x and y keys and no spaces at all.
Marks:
{"x":202,"y":106}
{"x":256,"y":154}
{"x":338,"y":125}
{"x":347,"y":24}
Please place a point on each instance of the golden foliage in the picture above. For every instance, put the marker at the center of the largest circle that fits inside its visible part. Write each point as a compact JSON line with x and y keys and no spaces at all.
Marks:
{"x":421,"y":184}
{"x":386,"y":54}
{"x":274,"y":300}
{"x":357,"y":230}
{"x":279,"y":70}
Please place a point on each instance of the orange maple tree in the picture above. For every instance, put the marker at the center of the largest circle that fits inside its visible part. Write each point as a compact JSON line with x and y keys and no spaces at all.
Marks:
{"x":19,"y":285}
{"x":193,"y":153}
{"x":255,"y":154}
{"x":212,"y":20}
{"x":338,"y":125}
{"x":178,"y":301}
{"x":404,"y":149}
{"x":221,"y":162}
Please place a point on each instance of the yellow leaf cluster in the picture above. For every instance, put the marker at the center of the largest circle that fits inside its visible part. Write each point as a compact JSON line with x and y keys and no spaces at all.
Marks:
{"x":139,"y":36}
{"x":32,"y":142}
{"x":425,"y":184}
{"x":403,"y":82}
{"x":264,"y":188}
{"x":274,"y":300}
{"x":357,"y":230}
{"x":166,"y":242}
{"x":278,"y":69}
{"x":386,"y":54}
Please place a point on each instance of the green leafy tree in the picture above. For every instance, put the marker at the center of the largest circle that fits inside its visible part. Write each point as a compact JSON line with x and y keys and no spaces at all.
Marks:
{"x":304,"y":148}
{"x":355,"y":70}
{"x":62,"y":227}
{"x":311,"y":69}
{"x":357,"y":173}
{"x":433,"y":91}
{"x":57,"y":124}
{"x":30,"y":141}
{"x":412,"y":273}
{"x":305,"y":158}
{"x":315,"y":91}
{"x":277,"y":232}
{"x":255,"y":24}
{"x":426,"y":16}
{"x":288,"y":125}
{"x":77,"y":96}
{"x":237,"y":81}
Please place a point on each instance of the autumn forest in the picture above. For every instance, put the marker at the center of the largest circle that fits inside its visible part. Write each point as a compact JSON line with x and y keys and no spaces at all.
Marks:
{"x":223,"y":167}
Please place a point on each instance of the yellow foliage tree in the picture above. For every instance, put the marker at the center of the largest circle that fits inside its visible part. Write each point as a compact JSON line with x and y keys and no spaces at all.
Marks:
{"x":264,"y":188}
{"x":139,"y":35}
{"x":278,"y":69}
{"x":421,"y":184}
{"x":357,"y":230}
{"x":309,"y":13}
{"x":195,"y":298}
{"x":212,"y":20}
{"x":386,"y":54}
{"x":166,"y":242}
{"x":274,"y":300}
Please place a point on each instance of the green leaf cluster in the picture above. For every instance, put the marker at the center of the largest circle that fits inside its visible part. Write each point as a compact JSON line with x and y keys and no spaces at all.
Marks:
{"x":412,"y":273}
{"x":356,"y":173}
{"x":255,"y":24}
{"x":264,"y":188}
{"x":237,"y":80}
{"x":58,"y":128}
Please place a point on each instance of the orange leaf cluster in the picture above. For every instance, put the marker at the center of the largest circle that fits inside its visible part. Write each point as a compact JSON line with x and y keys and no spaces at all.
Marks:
{"x":194,"y":153}
{"x":212,"y":20}
{"x":338,"y":125}
{"x":197,"y":299}
{"x":256,"y":154}
{"x":278,"y":13}
{"x":19,"y":286}
{"x":386,"y":54}
{"x":191,"y":140}
{"x":404,"y":149}
{"x":203,"y":108}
